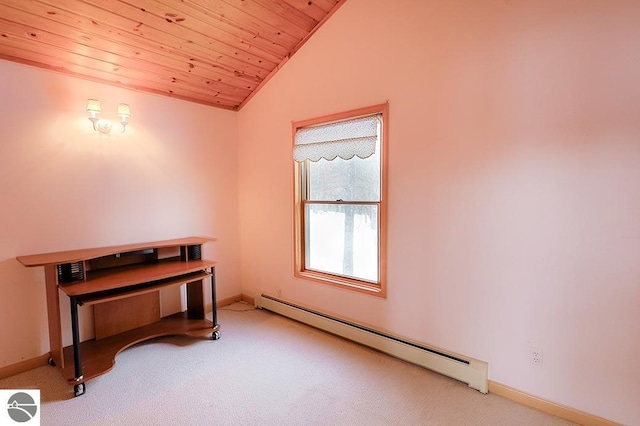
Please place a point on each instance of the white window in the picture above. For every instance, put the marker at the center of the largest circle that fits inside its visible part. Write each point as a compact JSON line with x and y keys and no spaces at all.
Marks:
{"x":340,"y":202}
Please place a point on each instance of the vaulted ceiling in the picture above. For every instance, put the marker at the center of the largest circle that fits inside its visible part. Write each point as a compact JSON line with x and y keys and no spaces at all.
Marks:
{"x":214,"y":52}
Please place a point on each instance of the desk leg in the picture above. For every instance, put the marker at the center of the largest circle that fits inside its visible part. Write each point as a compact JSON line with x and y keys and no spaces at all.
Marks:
{"x":214,"y":310}
{"x":77,"y":362}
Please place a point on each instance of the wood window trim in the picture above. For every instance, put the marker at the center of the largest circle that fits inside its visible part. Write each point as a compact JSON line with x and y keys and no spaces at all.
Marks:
{"x":379,"y":289}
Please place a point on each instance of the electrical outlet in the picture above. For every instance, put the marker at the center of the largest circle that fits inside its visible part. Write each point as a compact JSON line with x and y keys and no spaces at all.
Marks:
{"x":536,"y":356}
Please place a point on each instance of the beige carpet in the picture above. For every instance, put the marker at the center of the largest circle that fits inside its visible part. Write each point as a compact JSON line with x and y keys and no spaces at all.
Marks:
{"x":267,"y":370}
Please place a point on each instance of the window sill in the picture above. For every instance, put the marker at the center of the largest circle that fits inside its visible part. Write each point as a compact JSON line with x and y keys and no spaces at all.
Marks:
{"x":364,"y":287}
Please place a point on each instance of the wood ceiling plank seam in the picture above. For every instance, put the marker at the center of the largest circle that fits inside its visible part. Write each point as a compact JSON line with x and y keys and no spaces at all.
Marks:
{"x":28,"y":57}
{"x":237,"y":75}
{"x":153,"y":66}
{"x":309,"y":8}
{"x":326,"y":5}
{"x":281,"y":64}
{"x":224,"y":62}
{"x":236,"y":18}
{"x":238,"y":38}
{"x":187,"y":36}
{"x":125,"y":25}
{"x":64,"y":36}
{"x":12,"y":51}
{"x":197,"y":29}
{"x":164,"y":73}
{"x":267,"y":36}
{"x":259,"y":14}
{"x":240,"y":19}
{"x":115,"y":70}
{"x":290,"y":14}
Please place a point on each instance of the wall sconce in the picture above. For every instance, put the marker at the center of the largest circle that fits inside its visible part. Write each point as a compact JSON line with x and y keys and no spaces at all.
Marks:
{"x":102,"y":125}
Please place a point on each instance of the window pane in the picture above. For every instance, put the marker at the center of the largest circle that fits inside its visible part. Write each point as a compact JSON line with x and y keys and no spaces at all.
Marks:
{"x":342,"y":239}
{"x":355,"y":179}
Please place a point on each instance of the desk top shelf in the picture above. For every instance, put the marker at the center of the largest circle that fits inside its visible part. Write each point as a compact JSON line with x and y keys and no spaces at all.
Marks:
{"x":71,"y":256}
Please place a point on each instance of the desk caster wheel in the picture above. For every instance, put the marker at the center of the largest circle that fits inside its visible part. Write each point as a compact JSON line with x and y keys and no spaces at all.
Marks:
{"x":51,"y":362}
{"x":215,"y":335}
{"x":79,"y":389}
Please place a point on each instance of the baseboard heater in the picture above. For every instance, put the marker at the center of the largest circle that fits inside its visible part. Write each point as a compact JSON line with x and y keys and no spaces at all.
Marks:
{"x":467,"y":370}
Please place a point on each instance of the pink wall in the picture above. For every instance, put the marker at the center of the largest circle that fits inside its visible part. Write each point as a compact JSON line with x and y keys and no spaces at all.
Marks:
{"x":514,"y":214}
{"x":173,"y":173}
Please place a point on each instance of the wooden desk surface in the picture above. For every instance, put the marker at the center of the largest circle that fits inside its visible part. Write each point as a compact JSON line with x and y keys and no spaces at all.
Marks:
{"x":71,"y":256}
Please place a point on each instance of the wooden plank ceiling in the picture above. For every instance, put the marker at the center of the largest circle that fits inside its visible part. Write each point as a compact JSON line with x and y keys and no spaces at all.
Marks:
{"x":215,"y":52}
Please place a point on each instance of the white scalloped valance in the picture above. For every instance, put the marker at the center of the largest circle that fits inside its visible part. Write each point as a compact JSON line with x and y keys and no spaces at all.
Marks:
{"x":342,"y":139}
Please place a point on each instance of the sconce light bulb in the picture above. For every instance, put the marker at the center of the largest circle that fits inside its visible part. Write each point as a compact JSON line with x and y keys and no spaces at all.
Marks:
{"x":104,"y":126}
